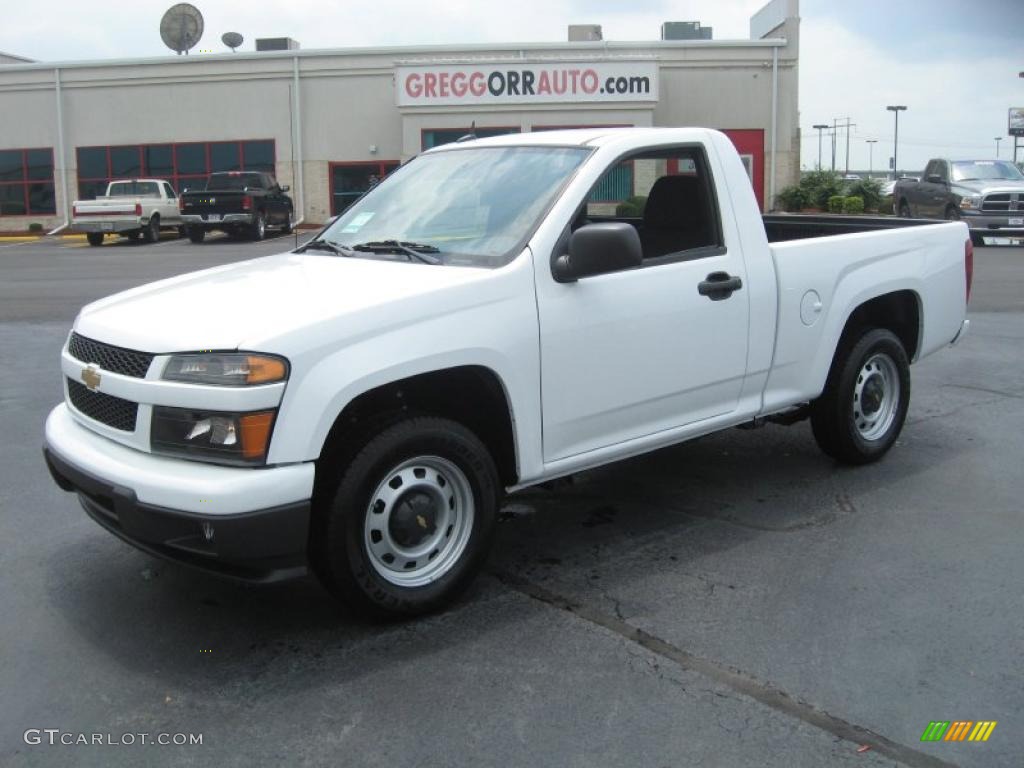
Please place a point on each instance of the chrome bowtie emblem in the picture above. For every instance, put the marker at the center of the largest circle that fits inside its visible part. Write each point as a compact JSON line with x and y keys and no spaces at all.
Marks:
{"x":208,"y":531}
{"x":91,"y":377}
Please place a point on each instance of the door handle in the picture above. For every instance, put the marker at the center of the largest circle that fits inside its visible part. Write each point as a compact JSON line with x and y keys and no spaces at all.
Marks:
{"x":719,"y":285}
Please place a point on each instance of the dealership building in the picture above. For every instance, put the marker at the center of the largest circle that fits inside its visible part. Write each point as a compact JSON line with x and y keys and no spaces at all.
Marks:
{"x":331,"y":122}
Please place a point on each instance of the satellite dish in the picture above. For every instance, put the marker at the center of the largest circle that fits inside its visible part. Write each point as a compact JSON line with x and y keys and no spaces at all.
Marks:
{"x":232,"y":40}
{"x":181,"y":27}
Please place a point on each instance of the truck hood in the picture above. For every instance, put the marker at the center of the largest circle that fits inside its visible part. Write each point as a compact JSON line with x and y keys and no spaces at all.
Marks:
{"x":242,"y":304}
{"x":989,"y":186}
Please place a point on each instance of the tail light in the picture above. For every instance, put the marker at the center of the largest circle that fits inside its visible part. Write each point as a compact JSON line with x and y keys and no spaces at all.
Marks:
{"x":138,"y":209}
{"x":246,"y":203}
{"x":969,"y":266}
{"x":181,"y":204}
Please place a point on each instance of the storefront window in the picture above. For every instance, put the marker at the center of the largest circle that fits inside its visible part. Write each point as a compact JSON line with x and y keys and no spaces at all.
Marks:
{"x":435,"y":137}
{"x":349,"y":181}
{"x":26,"y":182}
{"x":185,"y":166}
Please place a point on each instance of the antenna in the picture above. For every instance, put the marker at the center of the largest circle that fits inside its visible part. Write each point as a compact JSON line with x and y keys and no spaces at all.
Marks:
{"x":181,"y":27}
{"x":469,"y":136}
{"x":232,"y":40}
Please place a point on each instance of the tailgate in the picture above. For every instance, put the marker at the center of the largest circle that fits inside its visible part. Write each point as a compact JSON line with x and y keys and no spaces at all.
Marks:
{"x":214,"y":202}
{"x":107,"y":207}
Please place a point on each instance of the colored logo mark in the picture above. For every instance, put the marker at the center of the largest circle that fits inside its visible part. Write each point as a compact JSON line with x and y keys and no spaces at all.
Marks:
{"x":959,"y":730}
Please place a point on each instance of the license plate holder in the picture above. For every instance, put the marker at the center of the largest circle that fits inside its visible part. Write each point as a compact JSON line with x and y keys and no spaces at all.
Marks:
{"x":106,"y":226}
{"x":1019,"y":222}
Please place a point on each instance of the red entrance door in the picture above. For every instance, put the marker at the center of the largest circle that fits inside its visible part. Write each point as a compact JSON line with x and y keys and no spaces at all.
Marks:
{"x":749,"y":142}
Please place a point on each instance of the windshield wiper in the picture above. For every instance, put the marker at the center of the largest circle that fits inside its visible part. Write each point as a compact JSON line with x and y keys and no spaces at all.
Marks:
{"x":325,"y":245}
{"x":415,"y":251}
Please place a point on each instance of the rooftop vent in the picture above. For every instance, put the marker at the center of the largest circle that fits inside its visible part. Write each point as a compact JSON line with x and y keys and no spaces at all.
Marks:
{"x":582,"y":33}
{"x":276,"y":44}
{"x":684,"y":30}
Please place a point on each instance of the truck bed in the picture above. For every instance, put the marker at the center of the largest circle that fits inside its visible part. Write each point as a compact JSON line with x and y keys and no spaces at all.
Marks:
{"x":781,"y":227}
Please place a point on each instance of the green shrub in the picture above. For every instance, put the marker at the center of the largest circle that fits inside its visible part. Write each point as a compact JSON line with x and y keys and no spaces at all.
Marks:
{"x":35,"y":226}
{"x":868,"y":190}
{"x":835,"y":203}
{"x":820,"y":186}
{"x":632,"y":207}
{"x":853,"y":204}
{"x":792,"y":198}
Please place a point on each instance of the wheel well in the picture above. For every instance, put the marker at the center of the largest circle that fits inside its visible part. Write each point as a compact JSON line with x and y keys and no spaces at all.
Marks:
{"x":470,"y":395}
{"x":900,"y":312}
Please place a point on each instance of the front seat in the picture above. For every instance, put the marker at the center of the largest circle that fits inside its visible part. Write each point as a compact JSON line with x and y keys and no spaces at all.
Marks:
{"x":675,"y":217}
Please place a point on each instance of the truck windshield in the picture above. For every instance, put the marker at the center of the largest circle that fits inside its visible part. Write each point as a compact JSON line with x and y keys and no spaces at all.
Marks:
{"x":227,"y":182}
{"x":133,"y":189}
{"x":986,"y":169}
{"x":467,"y":206}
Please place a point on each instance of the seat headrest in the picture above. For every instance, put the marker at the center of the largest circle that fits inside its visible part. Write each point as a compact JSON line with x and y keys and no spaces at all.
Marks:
{"x":675,"y":202}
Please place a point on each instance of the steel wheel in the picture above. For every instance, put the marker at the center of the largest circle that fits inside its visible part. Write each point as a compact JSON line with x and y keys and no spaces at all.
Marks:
{"x":419,"y":521}
{"x":875,"y":396}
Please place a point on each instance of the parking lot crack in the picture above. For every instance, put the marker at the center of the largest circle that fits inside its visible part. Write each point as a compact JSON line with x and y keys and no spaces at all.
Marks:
{"x":738,"y":681}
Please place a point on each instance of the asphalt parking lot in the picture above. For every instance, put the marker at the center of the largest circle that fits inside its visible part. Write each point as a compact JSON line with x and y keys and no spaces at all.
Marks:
{"x":736,"y":601}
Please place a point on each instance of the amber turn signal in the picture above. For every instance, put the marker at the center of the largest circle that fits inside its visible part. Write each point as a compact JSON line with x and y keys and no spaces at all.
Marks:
{"x":255,"y":428}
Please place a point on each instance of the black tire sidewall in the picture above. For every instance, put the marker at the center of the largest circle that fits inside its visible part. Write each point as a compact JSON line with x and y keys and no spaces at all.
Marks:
{"x":348,"y":569}
{"x":848,"y":443}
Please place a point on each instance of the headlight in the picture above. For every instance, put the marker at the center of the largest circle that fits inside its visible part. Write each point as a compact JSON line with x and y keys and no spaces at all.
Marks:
{"x":230,"y":369}
{"x":970,"y":202}
{"x":223,"y":438}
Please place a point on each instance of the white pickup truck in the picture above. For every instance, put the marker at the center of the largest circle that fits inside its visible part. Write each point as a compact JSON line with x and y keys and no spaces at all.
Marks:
{"x":131,"y":207}
{"x":479,"y":322}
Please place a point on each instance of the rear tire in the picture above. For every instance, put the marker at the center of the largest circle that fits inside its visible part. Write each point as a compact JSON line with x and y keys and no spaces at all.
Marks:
{"x":977,"y":240}
{"x":196,"y":234}
{"x":860,"y":414}
{"x":94,"y":238}
{"x":411,"y":521}
{"x":151,"y":232}
{"x":286,"y":228}
{"x":259,"y":226}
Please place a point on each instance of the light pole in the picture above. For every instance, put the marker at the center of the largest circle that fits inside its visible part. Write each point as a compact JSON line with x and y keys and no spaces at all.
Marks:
{"x":819,"y":128}
{"x":871,"y":155}
{"x":998,"y":139}
{"x":896,"y":109}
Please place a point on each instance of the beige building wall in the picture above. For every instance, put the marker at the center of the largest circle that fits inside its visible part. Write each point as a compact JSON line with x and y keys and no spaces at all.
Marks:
{"x":348,"y":110}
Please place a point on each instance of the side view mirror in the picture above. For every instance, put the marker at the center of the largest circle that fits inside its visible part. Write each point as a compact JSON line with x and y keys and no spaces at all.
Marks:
{"x":595,"y":249}
{"x":285,"y":188}
{"x":936,"y":179}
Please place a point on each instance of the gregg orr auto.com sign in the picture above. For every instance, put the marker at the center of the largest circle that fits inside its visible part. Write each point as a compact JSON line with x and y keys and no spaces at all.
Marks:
{"x":525,"y":83}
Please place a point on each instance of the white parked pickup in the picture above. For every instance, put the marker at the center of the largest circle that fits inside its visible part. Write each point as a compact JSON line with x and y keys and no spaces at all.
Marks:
{"x":491,"y":316}
{"x":131,"y":207}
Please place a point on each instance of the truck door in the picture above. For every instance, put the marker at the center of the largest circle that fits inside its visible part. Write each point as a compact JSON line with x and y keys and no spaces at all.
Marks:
{"x":931,"y":192}
{"x":631,"y":353}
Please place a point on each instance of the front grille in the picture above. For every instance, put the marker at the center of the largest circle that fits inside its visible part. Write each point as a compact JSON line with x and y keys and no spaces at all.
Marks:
{"x":127,"y":362}
{"x":106,"y":409}
{"x":1003,"y":202}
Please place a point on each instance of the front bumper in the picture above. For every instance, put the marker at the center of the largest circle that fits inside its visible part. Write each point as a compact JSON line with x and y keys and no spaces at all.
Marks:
{"x":994,"y":225}
{"x":213,"y":523}
{"x":205,"y":220}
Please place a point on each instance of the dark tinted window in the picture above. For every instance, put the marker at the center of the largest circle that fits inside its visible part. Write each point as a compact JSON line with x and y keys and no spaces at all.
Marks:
{"x":258,"y":156}
{"x":225,"y":157}
{"x":12,"y":200}
{"x":191,"y":158}
{"x":439,"y":136}
{"x":40,"y":164}
{"x":124,"y":161}
{"x":41,"y":198}
{"x":158,"y":161}
{"x":236,"y":181}
{"x":92,"y":162}
{"x":11,"y":167}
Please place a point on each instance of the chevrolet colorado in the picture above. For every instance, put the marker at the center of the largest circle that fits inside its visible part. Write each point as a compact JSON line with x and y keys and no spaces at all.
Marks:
{"x":480,"y":322}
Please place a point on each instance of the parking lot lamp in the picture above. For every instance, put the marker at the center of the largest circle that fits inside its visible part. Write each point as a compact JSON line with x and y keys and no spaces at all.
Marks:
{"x":871,"y":155}
{"x":819,"y":128}
{"x":998,"y":139}
{"x":896,"y":109}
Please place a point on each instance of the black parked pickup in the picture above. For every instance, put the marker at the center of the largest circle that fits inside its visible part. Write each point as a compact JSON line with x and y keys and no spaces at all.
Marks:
{"x":241,"y":203}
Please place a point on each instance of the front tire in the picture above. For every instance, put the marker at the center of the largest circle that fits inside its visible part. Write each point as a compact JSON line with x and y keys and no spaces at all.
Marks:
{"x":860,"y":414}
{"x":411,"y":521}
{"x":904,"y":210}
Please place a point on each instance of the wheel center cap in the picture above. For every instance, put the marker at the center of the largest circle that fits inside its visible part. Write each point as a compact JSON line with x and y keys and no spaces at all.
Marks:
{"x":413,"y":519}
{"x":871,"y":397}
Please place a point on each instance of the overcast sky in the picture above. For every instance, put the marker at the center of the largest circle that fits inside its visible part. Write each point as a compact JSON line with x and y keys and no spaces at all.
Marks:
{"x":954,"y":63}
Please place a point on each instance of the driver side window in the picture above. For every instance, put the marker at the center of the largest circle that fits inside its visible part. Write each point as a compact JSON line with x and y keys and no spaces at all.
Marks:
{"x":667,"y":195}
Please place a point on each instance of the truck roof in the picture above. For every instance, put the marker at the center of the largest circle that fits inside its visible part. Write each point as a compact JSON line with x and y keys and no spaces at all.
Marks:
{"x":589,"y":137}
